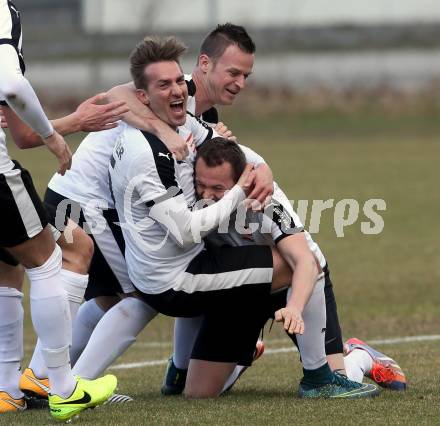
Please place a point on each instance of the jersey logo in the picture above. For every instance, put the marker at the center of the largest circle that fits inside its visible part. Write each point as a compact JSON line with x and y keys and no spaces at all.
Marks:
{"x":119,"y":150}
{"x":161,"y":154}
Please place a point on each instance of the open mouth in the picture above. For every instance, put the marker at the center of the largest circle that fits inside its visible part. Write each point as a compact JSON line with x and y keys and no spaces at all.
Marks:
{"x":177,"y":106}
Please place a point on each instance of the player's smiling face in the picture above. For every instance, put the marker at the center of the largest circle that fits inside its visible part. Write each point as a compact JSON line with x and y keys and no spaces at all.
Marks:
{"x":212,"y":182}
{"x":227,"y":76}
{"x":166,"y":92}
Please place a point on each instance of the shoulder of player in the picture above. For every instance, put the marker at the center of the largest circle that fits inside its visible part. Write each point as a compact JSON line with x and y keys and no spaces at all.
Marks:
{"x":145,"y":149}
{"x":190,"y":84}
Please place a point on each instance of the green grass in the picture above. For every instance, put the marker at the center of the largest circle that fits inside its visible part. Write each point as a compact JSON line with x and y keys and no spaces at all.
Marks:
{"x":386,"y":284}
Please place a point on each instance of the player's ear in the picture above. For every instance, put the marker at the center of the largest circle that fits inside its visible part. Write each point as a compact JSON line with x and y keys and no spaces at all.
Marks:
{"x":204,"y":62}
{"x":142,"y":96}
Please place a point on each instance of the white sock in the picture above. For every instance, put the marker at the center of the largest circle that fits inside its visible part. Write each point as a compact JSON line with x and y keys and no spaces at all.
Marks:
{"x":75,"y":286}
{"x":311,"y":344}
{"x":116,"y":331}
{"x":358,"y":363}
{"x":11,"y":340}
{"x":233,"y":377}
{"x":88,"y":315}
{"x":185,"y":334}
{"x":51,"y":320}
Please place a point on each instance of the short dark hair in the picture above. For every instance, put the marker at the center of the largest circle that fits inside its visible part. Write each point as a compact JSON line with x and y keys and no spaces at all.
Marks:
{"x":219,"y":150}
{"x":217,"y":41}
{"x":151,"y":50}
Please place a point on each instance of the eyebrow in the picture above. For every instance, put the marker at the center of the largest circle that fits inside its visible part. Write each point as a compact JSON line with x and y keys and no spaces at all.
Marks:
{"x":239,"y":71}
{"x":169,"y":80}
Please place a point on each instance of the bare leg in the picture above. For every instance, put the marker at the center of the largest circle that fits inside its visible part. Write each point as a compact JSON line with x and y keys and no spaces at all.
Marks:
{"x":206,"y":379}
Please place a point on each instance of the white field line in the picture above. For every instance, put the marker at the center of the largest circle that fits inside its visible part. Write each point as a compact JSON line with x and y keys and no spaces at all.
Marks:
{"x":397,"y":340}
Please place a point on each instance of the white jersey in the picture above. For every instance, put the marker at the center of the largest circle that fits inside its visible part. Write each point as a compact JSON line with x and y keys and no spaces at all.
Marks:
{"x":87,"y":179}
{"x":154,"y":196}
{"x":146,"y":181}
{"x":278,"y":221}
{"x":10,"y":34}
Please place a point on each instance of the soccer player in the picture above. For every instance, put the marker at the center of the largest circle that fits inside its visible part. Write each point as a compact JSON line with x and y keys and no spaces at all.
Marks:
{"x":178,"y":275}
{"x":26,"y":237}
{"x":225,"y":62}
{"x":108,"y":275}
{"x":217,"y":165}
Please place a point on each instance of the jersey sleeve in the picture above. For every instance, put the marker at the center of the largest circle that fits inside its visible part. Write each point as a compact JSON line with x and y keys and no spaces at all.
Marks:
{"x":201,"y":132}
{"x":188,"y":227}
{"x":152,"y":175}
{"x":279,"y":219}
{"x":19,"y":94}
{"x":251,"y":156}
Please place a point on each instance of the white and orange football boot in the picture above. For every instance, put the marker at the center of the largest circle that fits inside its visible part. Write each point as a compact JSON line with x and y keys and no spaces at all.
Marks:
{"x":385,"y":371}
{"x":9,"y":404}
{"x":32,"y":386}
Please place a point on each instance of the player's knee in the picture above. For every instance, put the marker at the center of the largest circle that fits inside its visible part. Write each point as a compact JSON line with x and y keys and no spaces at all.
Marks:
{"x":78,"y":254}
{"x":192,"y":392}
{"x":11,"y":276}
{"x":107,"y":302}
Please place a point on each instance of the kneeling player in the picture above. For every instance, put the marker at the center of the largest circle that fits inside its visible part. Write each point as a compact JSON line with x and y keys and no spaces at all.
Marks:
{"x":217,"y":164}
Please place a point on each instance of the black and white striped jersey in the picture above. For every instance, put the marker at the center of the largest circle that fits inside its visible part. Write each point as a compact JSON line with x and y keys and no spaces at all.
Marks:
{"x":11,"y":36}
{"x":14,"y":87}
{"x":10,"y":29}
{"x":154,"y":195}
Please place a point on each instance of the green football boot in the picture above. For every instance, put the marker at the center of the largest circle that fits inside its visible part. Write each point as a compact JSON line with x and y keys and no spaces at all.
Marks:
{"x":87,"y":394}
{"x":340,"y":387}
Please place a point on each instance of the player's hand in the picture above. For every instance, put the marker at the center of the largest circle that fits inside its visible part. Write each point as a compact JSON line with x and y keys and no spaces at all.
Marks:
{"x":263,"y":188}
{"x":58,"y":146}
{"x":247,"y":179}
{"x":3,"y":122}
{"x":224,"y":132}
{"x":95,"y":114}
{"x":176,"y":145}
{"x":291,"y":318}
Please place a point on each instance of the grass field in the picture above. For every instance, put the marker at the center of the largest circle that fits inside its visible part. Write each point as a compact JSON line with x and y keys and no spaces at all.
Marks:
{"x":386,"y":284}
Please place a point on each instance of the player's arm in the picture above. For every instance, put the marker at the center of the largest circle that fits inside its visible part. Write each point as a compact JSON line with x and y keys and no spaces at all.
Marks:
{"x":296,"y":252}
{"x":168,"y":206}
{"x":263,"y":176}
{"x":141,"y":117}
{"x":20,"y":96}
{"x":90,"y":116}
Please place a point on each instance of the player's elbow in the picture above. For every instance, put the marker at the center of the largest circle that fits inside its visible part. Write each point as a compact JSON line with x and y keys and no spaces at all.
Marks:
{"x":11,"y":89}
{"x":23,"y":140}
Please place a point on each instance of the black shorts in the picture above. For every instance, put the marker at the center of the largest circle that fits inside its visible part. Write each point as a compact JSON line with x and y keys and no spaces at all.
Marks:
{"x":232,"y":316}
{"x":102,"y":279}
{"x":22,"y":214}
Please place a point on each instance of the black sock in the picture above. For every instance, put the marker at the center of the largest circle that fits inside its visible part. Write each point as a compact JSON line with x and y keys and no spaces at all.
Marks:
{"x":318,"y":377}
